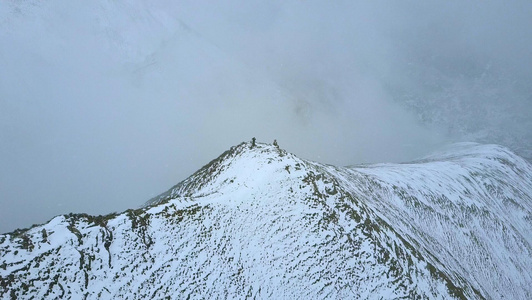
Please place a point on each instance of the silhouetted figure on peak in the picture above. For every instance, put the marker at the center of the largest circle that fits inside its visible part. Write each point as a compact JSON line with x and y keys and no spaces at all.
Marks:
{"x":275,"y":143}
{"x":253,"y":144}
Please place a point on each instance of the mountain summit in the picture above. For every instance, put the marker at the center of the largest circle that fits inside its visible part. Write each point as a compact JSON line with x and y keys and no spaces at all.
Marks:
{"x":258,"y":222}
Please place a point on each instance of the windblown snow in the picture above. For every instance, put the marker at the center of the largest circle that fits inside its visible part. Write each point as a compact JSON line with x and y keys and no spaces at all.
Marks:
{"x":258,"y":222}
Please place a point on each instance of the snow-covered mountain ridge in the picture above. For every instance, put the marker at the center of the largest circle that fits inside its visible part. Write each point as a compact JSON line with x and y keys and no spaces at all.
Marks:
{"x":258,"y":222}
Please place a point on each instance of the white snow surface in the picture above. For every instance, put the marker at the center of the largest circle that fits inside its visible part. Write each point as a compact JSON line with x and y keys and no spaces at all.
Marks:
{"x":258,"y":222}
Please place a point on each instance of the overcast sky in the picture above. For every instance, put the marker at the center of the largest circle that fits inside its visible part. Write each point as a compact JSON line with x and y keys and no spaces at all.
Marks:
{"x":105,"y":104}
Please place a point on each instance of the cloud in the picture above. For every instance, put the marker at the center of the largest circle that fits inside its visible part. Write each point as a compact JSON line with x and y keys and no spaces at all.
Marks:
{"x":106,"y":104}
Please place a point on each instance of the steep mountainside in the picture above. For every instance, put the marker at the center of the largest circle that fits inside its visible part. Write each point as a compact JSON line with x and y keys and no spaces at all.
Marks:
{"x":261,"y":223}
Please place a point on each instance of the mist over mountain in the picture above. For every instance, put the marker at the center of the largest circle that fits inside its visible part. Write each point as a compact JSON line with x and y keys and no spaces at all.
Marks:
{"x":103,"y":104}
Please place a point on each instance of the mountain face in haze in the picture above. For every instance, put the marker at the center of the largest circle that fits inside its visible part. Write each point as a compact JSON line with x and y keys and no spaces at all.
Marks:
{"x":258,"y":222}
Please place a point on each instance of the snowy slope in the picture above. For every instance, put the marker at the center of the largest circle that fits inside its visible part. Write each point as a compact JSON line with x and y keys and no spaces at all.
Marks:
{"x":262,"y":223}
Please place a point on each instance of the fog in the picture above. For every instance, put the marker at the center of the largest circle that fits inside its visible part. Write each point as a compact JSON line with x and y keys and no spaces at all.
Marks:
{"x":105,"y":104}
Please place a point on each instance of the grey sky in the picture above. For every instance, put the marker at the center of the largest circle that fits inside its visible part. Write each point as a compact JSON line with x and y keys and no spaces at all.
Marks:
{"x":105,"y":104}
